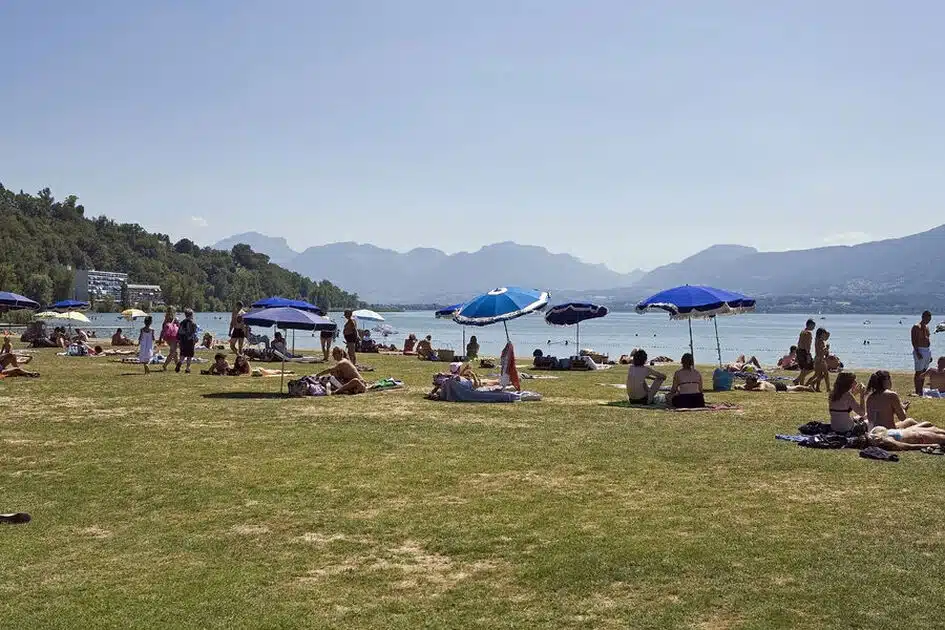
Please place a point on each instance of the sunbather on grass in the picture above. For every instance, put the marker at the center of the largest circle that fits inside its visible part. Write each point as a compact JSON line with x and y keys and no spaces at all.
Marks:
{"x":754,"y":384}
{"x":11,"y":372}
{"x":346,"y":373}
{"x":220,"y":366}
{"x":911,"y":438}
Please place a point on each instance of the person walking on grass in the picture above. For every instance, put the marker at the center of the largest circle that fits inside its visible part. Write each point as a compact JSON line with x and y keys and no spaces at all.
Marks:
{"x":169,"y":336}
{"x":805,"y":360}
{"x":821,"y":352}
{"x":921,"y":350}
{"x":146,"y":344}
{"x":237,"y":329}
{"x":186,"y":340}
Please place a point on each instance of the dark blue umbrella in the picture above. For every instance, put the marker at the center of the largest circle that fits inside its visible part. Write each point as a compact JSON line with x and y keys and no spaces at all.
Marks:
{"x":70,"y":305}
{"x":13,"y":301}
{"x":694,"y":301}
{"x":572,"y":314}
{"x":501,"y":305}
{"x":288,"y":318}
{"x":281,"y":302}
{"x":449,"y":311}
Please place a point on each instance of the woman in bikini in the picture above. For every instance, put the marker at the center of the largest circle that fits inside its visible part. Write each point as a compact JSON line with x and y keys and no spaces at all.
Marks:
{"x":884,"y":407}
{"x":821,"y":350}
{"x":686,"y":391}
{"x":847,"y":406}
{"x":351,"y":336}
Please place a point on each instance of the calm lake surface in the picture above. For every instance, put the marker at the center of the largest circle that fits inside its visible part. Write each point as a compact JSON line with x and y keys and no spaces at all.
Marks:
{"x":766,"y":335}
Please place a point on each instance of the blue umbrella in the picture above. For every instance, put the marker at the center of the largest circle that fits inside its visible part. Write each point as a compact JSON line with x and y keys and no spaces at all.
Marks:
{"x":691,"y":302}
{"x":447,"y":312}
{"x":501,"y":305}
{"x":572,"y":314}
{"x":70,"y":305}
{"x":13,"y":301}
{"x":281,"y":302}
{"x":287,"y":318}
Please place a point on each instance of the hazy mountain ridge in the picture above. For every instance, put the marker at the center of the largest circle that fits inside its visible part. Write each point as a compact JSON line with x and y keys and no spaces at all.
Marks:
{"x":912,"y":266}
{"x":428,"y":275}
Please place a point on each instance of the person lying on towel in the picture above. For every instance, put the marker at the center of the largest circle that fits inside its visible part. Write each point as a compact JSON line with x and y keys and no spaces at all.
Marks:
{"x":753,"y":384}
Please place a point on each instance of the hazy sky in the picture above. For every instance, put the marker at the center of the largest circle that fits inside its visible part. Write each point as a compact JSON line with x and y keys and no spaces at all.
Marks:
{"x":626,"y":132}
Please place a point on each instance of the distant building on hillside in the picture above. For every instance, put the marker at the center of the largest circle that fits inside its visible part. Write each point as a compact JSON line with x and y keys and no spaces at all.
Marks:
{"x":141,"y":293}
{"x":96,"y":285}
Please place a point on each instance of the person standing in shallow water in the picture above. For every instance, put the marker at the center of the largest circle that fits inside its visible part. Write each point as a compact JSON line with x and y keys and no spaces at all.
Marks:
{"x":921,"y":350}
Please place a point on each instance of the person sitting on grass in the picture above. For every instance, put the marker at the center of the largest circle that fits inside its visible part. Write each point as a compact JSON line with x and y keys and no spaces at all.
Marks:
{"x":847,"y":408}
{"x":936,"y":377}
{"x":643,"y":382}
{"x":410,"y":343}
{"x":789,"y":361}
{"x":472,"y":348}
{"x":425,"y":348}
{"x":119,"y":339}
{"x":346,"y":374}
{"x":884,"y":407}
{"x":9,"y":359}
{"x":754,"y":384}
{"x":278,"y":345}
{"x":686,"y":390}
{"x":11,"y":372}
{"x":220,"y":367}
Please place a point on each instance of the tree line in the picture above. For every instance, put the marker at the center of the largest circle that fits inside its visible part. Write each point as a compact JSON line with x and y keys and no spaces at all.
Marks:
{"x":42,"y":242}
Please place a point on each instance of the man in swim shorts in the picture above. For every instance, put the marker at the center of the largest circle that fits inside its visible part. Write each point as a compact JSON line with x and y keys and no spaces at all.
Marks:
{"x":921,"y":352}
{"x":805,"y":360}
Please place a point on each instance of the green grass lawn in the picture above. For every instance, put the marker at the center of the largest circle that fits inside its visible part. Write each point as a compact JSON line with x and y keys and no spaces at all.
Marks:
{"x":173,"y":501}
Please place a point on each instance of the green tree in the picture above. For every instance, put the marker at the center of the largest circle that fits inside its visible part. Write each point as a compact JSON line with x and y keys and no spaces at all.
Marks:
{"x":39,"y":287}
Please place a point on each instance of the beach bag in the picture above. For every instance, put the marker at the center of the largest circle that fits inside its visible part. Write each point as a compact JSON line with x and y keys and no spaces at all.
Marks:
{"x":722,"y":380}
{"x":77,"y":350}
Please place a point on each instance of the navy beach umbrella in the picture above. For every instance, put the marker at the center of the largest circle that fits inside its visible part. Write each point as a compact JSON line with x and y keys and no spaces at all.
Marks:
{"x":572,"y":314}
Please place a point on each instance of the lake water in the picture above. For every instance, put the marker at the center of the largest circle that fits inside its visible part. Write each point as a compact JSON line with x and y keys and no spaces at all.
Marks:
{"x":763,"y":334}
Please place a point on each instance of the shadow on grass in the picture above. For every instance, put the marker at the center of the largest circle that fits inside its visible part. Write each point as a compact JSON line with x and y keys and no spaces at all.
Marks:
{"x":244,"y":395}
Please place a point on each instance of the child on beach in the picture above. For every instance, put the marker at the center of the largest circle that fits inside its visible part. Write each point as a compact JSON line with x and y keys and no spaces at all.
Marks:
{"x":146,"y":344}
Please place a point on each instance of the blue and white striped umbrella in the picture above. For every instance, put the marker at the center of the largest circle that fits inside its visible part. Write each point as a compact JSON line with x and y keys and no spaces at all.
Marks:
{"x":501,"y":305}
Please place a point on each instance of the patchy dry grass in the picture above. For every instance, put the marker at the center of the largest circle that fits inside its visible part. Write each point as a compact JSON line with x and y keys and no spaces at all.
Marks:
{"x":189,"y":501}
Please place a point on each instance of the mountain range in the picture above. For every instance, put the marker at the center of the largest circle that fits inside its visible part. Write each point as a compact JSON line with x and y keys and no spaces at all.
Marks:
{"x":427,"y":276}
{"x":911,"y":266}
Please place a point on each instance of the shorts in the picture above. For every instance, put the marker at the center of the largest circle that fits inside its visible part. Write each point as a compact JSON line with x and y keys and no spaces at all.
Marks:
{"x":187,"y":347}
{"x":688,"y":401}
{"x":350,"y":338}
{"x":779,"y":386}
{"x":923,"y":362}
{"x":804,"y":359}
{"x":238,"y":333}
{"x":328,"y":334}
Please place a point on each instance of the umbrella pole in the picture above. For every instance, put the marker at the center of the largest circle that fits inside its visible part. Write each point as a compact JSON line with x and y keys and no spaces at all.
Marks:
{"x":293,"y":342}
{"x":506,"y":326}
{"x":282,"y":376}
{"x":577,"y":350}
{"x":691,"y":349}
{"x":718,"y":346}
{"x":464,"y":341}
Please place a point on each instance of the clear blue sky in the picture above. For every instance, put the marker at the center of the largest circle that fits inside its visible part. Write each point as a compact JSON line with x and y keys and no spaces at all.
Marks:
{"x":626,"y":132}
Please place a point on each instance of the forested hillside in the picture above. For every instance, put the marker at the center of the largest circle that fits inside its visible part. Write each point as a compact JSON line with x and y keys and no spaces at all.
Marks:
{"x":43,"y":240}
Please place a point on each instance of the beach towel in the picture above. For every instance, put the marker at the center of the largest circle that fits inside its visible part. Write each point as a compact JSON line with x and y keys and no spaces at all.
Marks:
{"x":385,"y":384}
{"x":455,"y":390}
{"x":933,"y":393}
{"x":509,"y":374}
